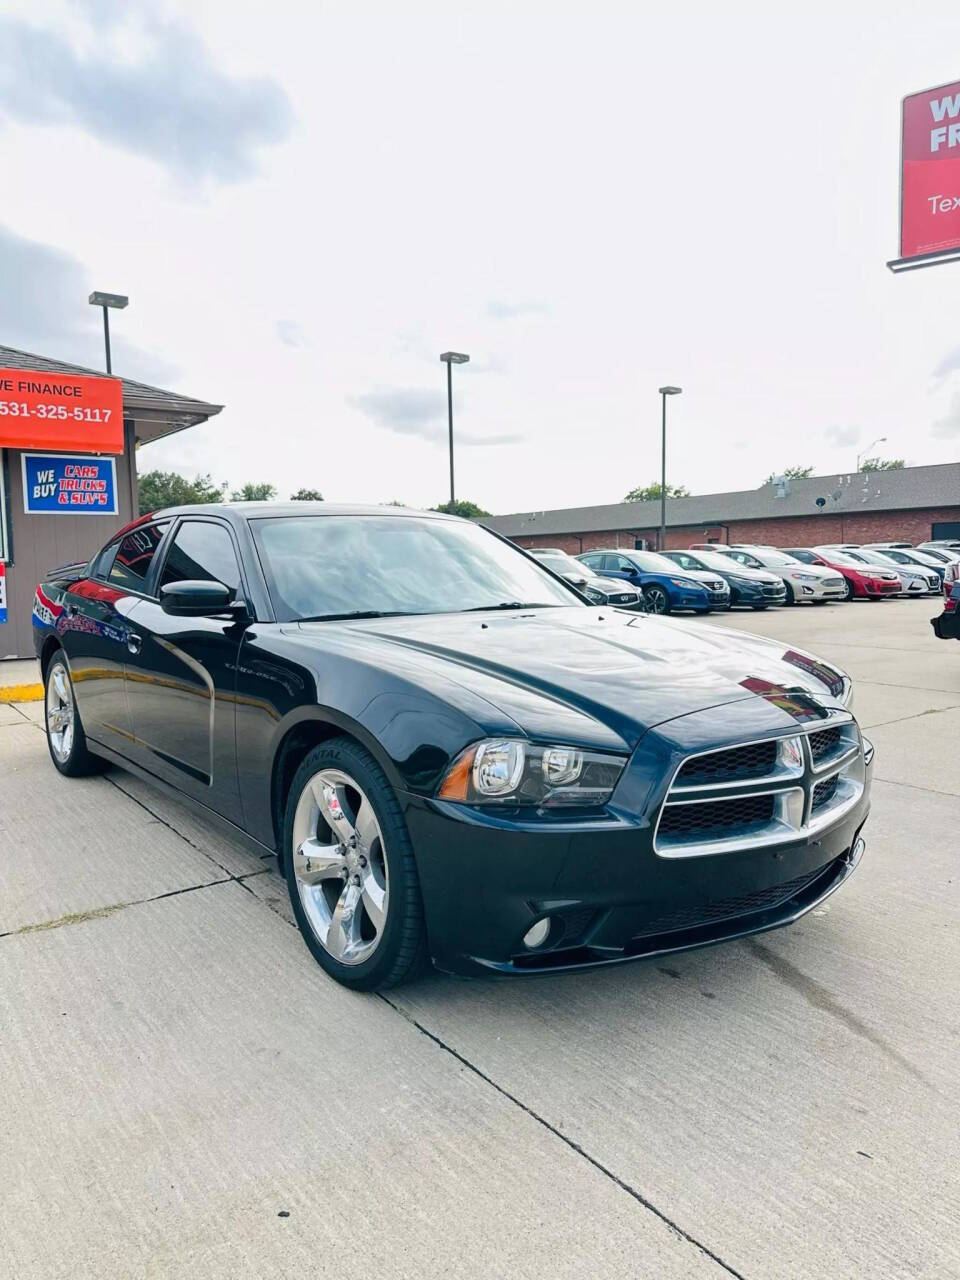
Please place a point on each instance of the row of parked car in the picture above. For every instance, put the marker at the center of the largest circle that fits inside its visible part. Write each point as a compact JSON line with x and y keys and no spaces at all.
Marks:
{"x":716,"y":576}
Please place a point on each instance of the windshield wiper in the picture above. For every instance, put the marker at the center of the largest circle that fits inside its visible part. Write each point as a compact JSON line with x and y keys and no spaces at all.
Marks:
{"x":512,"y":604}
{"x":358,"y":613}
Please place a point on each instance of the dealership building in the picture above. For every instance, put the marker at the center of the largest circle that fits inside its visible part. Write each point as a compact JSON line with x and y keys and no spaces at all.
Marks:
{"x":68,"y":470}
{"x":911,"y":505}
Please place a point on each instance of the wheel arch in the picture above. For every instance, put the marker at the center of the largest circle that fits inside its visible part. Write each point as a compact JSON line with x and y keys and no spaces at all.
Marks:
{"x":317,"y":726}
{"x":50,"y":646}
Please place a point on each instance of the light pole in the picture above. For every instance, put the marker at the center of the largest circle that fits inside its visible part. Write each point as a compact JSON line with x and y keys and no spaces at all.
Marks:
{"x":107,"y":300}
{"x":664,"y":392}
{"x":450,"y":358}
{"x":863,"y":453}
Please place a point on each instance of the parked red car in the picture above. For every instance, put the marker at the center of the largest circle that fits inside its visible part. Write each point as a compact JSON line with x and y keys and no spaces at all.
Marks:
{"x":864,"y":581}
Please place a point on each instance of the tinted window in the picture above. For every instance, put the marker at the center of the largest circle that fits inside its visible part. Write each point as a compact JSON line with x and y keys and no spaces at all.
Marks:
{"x":135,"y":555}
{"x":741,"y":557}
{"x":323,"y":566}
{"x":592,"y":562}
{"x":682,"y":559}
{"x":806,"y":556}
{"x":202,"y":551}
{"x":102,"y":563}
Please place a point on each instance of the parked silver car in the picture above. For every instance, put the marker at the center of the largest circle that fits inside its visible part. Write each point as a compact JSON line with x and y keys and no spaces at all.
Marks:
{"x":804,"y":582}
{"x":594,"y":586}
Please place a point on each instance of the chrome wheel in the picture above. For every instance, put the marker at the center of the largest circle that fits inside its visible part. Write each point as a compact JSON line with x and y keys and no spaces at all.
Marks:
{"x":340,"y":866}
{"x":657,"y":600}
{"x":61,"y":712}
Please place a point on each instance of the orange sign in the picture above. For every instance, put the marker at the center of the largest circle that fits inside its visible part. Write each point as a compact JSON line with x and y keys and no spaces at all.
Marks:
{"x":69,"y":411}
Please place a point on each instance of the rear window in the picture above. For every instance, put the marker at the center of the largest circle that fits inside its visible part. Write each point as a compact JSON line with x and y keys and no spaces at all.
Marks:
{"x":134,"y":556}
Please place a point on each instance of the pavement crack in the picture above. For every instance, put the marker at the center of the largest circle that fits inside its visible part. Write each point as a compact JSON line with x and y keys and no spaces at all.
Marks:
{"x":567,"y":1141}
{"x":819,"y":997}
{"x":917,"y":715}
{"x":170,"y":827}
{"x":99,"y":913}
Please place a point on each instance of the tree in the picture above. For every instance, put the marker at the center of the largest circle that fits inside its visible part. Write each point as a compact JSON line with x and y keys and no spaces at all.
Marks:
{"x":258,"y":491}
{"x":651,"y":492}
{"x":461,"y":508}
{"x":789,"y":473}
{"x":882,"y":464}
{"x":307,"y":495}
{"x":159,"y":489}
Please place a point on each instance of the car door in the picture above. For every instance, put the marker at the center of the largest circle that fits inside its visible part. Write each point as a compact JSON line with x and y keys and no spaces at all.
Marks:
{"x":617,"y":566}
{"x":94,"y":630}
{"x":182,"y":672}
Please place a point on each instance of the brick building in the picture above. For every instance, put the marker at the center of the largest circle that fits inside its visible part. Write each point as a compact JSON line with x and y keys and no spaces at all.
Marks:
{"x":911,"y":505}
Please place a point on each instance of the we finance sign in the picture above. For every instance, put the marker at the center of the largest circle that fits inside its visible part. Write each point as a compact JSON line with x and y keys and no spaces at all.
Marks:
{"x":930,"y":175}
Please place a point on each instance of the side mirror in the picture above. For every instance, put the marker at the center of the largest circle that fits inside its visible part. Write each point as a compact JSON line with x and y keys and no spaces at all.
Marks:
{"x":195,"y":599}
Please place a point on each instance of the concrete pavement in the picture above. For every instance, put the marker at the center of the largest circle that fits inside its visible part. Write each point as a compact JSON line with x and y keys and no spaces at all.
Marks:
{"x":177,"y":1074}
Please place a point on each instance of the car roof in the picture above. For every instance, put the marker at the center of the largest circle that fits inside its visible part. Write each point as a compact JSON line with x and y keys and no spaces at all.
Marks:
{"x":237,"y":511}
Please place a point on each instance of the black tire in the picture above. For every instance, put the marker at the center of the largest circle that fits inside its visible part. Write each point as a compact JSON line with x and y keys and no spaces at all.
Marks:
{"x":657,"y":599}
{"x":73,"y":759}
{"x":401,"y":953}
{"x":847,"y":589}
{"x":758,"y":608}
{"x":791,"y":598}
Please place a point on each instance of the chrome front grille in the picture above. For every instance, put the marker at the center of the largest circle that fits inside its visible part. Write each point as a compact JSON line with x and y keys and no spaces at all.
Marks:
{"x":753,"y":794}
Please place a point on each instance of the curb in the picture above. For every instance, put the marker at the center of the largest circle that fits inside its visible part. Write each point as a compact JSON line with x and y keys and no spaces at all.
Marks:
{"x":21,"y":693}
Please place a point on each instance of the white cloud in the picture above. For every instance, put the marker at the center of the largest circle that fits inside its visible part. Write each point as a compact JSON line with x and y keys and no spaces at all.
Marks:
{"x":948,"y":427}
{"x":842,"y":437}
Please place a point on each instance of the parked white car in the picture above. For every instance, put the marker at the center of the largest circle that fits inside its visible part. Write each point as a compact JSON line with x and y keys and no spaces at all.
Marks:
{"x":804,"y":582}
{"x":917,"y":579}
{"x":908,"y":557}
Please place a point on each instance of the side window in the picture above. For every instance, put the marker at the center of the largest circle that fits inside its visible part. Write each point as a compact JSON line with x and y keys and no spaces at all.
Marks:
{"x":684,"y":561}
{"x":201,"y":551}
{"x":134,"y":556}
{"x":741,"y":557}
{"x":593,"y":562}
{"x":806,"y":556}
{"x":103,"y":563}
{"x":623,"y":564}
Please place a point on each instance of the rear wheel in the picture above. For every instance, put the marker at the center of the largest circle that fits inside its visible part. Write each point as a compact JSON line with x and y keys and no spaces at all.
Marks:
{"x":350,"y":869}
{"x":65,"y":737}
{"x":657,"y":600}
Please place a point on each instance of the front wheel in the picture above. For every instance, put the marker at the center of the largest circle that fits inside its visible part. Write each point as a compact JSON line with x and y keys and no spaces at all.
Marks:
{"x":657,"y":600}
{"x":350,"y":869}
{"x":758,"y":608}
{"x":847,"y":589}
{"x":66,"y":740}
{"x":791,"y":598}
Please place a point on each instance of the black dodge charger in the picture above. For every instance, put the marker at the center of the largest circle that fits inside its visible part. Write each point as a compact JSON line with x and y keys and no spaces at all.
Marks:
{"x":452,"y":755}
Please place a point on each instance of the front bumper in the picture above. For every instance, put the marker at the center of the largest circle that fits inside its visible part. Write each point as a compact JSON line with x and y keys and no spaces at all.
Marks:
{"x":757,"y":593}
{"x":817,"y":590}
{"x":946,"y":626}
{"x":486,"y":880}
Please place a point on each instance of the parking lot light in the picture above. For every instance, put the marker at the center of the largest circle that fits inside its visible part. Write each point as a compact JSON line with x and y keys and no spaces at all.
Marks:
{"x":107,"y":300}
{"x":664,"y":392}
{"x":450,"y":358}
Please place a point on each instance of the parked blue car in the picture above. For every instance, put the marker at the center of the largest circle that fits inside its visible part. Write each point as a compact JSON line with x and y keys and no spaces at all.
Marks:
{"x":665,"y":587}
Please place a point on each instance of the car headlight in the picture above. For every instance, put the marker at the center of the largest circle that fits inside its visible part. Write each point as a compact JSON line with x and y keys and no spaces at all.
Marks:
{"x":685,"y":583}
{"x":511,"y":771}
{"x":805,"y":577}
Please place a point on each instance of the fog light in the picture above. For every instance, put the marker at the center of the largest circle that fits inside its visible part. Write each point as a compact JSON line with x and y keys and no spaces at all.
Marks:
{"x":537,"y":934}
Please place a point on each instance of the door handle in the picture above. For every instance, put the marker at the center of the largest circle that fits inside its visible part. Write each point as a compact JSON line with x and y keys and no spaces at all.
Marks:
{"x":134,"y":642}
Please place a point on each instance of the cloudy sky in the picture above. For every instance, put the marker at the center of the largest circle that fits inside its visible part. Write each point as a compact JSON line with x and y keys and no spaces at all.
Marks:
{"x":307,"y":203}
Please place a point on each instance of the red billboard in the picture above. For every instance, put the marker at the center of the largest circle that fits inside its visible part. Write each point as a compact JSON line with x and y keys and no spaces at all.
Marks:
{"x":62,"y":411}
{"x":930,"y":172}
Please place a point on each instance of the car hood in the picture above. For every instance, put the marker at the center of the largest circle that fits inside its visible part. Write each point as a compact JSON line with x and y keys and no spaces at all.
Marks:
{"x":754,"y":575}
{"x":616,"y":585}
{"x":701,"y":575}
{"x":595,"y":677}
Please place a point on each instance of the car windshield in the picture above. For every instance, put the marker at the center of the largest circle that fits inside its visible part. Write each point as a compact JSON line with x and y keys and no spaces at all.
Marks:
{"x":775,"y":557}
{"x":324,"y":567}
{"x":560,"y":562}
{"x":712,"y":560}
{"x":650,"y":562}
{"x":840,"y":557}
